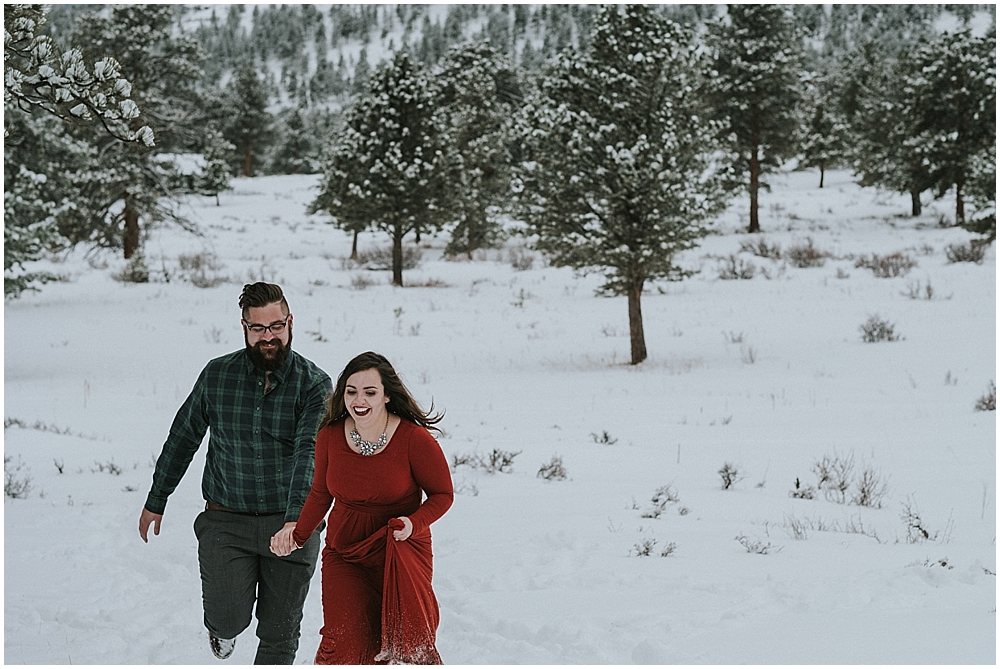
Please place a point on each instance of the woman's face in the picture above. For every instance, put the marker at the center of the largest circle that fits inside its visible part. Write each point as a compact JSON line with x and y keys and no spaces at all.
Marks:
{"x":365,"y":398}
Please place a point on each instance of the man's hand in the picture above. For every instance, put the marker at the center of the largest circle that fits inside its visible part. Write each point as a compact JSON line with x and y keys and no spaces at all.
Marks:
{"x":282,"y":543}
{"x":147,"y":517}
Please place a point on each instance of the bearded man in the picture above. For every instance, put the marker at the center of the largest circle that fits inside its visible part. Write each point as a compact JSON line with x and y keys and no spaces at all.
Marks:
{"x":262,"y":405}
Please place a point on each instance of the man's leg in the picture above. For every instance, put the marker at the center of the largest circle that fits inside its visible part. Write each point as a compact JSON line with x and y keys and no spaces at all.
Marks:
{"x":227,"y":557}
{"x":281,"y":592}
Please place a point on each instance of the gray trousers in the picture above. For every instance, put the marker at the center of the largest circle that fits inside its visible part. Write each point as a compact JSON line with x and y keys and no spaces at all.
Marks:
{"x":238,"y":570}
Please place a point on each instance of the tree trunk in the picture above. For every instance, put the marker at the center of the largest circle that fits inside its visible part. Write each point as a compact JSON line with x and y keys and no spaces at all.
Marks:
{"x":247,"y":161}
{"x":397,"y":255}
{"x":915,"y":208}
{"x":822,"y":173}
{"x":354,"y":246}
{"x":959,"y":203}
{"x":638,"y":338}
{"x":130,"y":238}
{"x":754,"y":188}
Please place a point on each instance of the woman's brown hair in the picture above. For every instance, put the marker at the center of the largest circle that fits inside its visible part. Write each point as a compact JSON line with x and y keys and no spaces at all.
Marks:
{"x":400,"y":402}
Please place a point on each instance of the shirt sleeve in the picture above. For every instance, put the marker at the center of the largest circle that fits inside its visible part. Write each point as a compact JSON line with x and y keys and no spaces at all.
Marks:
{"x":431,"y":472}
{"x":186,"y":434}
{"x":319,"y":499}
{"x":305,"y":443}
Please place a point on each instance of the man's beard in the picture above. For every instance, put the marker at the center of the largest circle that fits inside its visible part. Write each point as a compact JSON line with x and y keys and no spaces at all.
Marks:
{"x":273,"y":361}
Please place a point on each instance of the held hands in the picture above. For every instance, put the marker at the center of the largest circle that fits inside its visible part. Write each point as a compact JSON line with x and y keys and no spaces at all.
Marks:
{"x":404,"y":533}
{"x":282,"y":543}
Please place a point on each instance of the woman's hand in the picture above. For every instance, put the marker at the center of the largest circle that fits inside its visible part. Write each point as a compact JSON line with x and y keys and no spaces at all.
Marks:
{"x":282,"y":543}
{"x":403,"y":534}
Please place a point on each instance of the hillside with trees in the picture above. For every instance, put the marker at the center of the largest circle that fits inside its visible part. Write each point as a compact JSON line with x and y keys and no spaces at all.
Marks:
{"x":904,"y":95}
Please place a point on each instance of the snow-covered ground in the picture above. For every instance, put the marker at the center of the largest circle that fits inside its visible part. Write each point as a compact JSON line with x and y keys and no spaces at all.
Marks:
{"x":769,"y":375}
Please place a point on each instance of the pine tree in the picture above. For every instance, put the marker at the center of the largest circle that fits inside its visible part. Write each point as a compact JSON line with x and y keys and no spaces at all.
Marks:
{"x":478,"y":99}
{"x":882,"y":150}
{"x":823,"y":141}
{"x":164,"y":68}
{"x":249,"y":123}
{"x":618,"y":175}
{"x":49,"y":175}
{"x":755,"y":90}
{"x":950,"y":96}
{"x":295,"y":150}
{"x":215,"y":173}
{"x":392,"y":165}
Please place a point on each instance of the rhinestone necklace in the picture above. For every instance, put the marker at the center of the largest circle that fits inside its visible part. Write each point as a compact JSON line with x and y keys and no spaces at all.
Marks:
{"x":369,"y":447}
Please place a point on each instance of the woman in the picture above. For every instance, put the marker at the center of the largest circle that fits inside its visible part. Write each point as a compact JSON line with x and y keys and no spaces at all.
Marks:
{"x":374,"y":458}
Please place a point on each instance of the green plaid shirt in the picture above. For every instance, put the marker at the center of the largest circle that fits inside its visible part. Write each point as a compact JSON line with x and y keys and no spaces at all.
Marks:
{"x":260,"y":448}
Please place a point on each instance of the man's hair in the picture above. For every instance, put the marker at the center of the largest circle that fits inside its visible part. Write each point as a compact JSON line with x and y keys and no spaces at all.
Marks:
{"x":261,"y":294}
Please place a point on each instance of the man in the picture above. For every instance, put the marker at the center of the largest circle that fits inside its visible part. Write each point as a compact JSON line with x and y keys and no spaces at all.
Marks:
{"x":263,"y":404}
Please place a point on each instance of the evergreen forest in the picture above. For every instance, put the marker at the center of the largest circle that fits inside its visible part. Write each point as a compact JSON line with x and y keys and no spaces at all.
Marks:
{"x":609,"y":135}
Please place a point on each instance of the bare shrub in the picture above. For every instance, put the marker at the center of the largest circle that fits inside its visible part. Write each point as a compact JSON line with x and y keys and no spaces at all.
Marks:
{"x":554,"y":471}
{"x":889,"y":266}
{"x":877,"y":329}
{"x":361,"y":282}
{"x":797,"y":529}
{"x":136,"y":271}
{"x":603,"y":438}
{"x":110,"y":467}
{"x":496,"y":461}
{"x":733,"y":337}
{"x":758,"y":546}
{"x":915,"y":292}
{"x":520,"y":258}
{"x":644,"y":548}
{"x":16,"y":483}
{"x":973,"y":252}
{"x":664,"y":496}
{"x":730,"y":474}
{"x":806,"y":255}
{"x":802,"y":491}
{"x":916,"y":530}
{"x":761,"y":249}
{"x":380,"y":257}
{"x":734,"y":267}
{"x":834,"y":475}
{"x":870,"y":489}
{"x":988,"y":402}
{"x":201,"y":269}
{"x":668,"y":550}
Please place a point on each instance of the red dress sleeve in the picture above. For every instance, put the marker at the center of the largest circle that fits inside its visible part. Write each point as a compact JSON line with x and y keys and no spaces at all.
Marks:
{"x":319,"y":499}
{"x":430,"y":471}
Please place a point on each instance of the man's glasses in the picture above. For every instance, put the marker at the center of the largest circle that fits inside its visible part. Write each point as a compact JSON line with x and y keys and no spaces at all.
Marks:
{"x":274,"y":328}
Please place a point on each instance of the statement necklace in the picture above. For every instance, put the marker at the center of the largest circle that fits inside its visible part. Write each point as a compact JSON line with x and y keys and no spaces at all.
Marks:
{"x":368,"y":447}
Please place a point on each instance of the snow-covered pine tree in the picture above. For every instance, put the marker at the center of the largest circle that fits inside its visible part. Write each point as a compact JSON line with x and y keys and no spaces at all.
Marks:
{"x":392,"y":166}
{"x":295,"y":150}
{"x":38,"y":75}
{"x":248,"y":125}
{"x":755,"y":90}
{"x":950,"y":95}
{"x":823,"y":137}
{"x":49,"y":176}
{"x":478,"y":98}
{"x":618,"y":173}
{"x":215,"y":174}
{"x":165,"y":68}
{"x":881,"y":150}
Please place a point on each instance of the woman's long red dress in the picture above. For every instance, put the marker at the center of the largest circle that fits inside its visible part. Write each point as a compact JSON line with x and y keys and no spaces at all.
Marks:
{"x":378,"y":604}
